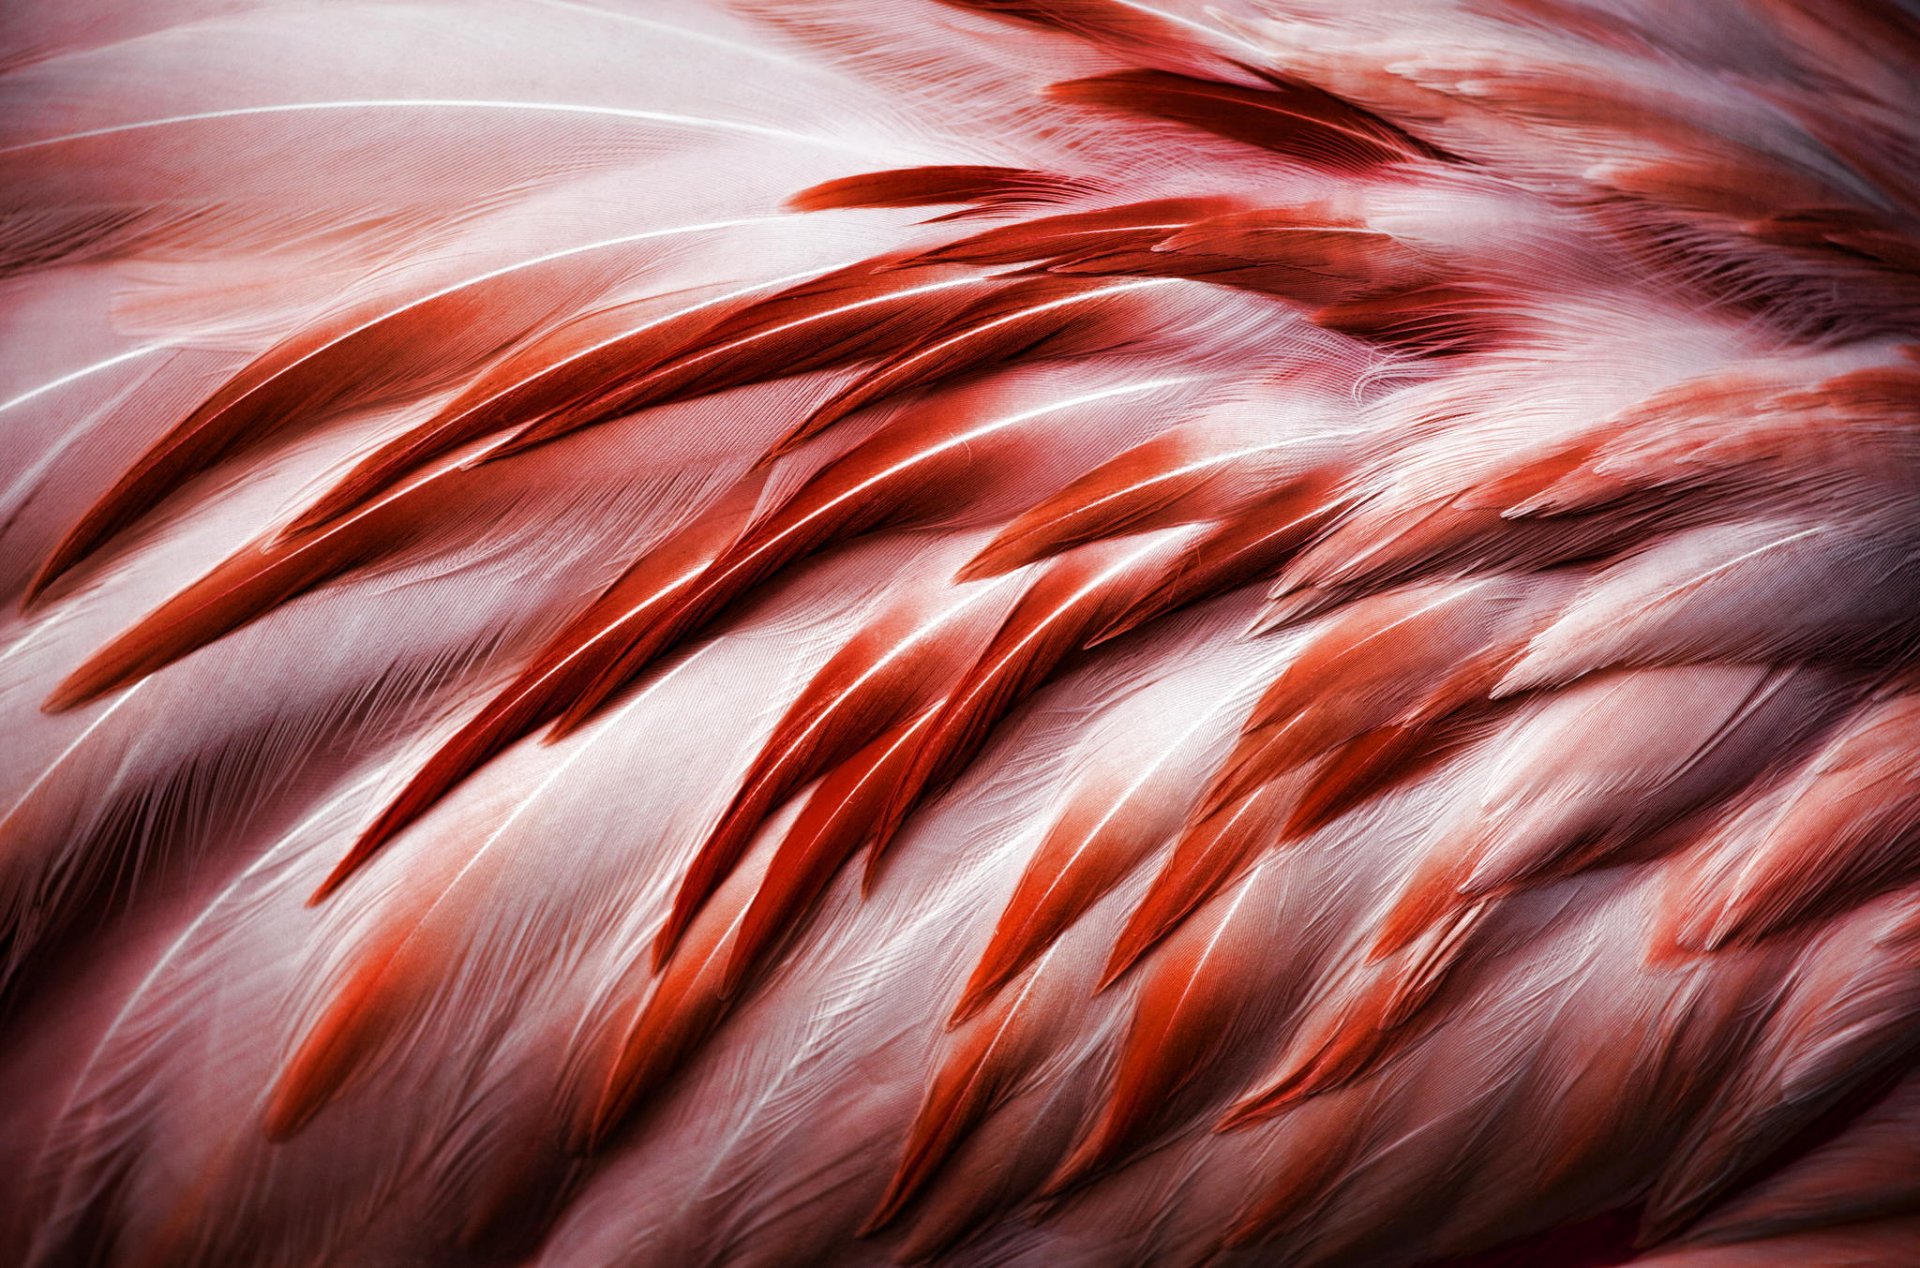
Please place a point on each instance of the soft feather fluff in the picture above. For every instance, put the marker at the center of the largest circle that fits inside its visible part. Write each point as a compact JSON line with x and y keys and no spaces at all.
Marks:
{"x":1065,"y":632}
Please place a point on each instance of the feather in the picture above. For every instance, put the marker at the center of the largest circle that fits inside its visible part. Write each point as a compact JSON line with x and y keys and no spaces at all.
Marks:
{"x":1114,"y":817}
{"x":1200,"y":997}
{"x":978,"y":186}
{"x":1530,"y":821}
{"x":1183,"y":475}
{"x":891,"y":675}
{"x":1294,"y":118}
{"x":985,"y":1061}
{"x":545,"y":687}
{"x":1861,"y":1174}
{"x":379,"y":348}
{"x":1350,"y":574}
{"x":1843,"y":1016}
{"x":1039,"y":317}
{"x":1404,"y":658}
{"x":837,"y":820}
{"x":1836,"y":830}
{"x":1209,"y":854}
{"x":612,"y":362}
{"x":688,"y":1000}
{"x":1680,"y":601}
{"x":1073,"y":598}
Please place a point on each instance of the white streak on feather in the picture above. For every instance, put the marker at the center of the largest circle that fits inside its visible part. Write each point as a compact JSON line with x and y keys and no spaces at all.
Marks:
{"x":81,"y":373}
{"x":443,"y":103}
{"x":68,"y":751}
{"x":560,"y":769}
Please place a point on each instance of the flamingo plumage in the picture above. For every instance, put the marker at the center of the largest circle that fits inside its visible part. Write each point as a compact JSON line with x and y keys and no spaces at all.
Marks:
{"x":1061,"y":632}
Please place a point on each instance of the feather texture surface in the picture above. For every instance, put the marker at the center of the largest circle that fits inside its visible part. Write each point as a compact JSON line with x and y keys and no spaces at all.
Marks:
{"x":982,"y":632}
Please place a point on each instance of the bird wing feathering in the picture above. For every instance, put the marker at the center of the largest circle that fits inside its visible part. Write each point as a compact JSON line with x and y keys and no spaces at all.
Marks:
{"x":1053,"y":632}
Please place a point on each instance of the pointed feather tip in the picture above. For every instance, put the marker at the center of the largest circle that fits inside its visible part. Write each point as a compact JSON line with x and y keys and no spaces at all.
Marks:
{"x":1280,"y":1210}
{"x":980,"y":188}
{"x":1726,"y":931}
{"x":1317,"y":807}
{"x":1333,"y":1063}
{"x":970,"y":1003}
{"x":1661,"y":1221}
{"x":530,"y":437}
{"x":816,"y":421}
{"x":298,"y":1094}
{"x":284,"y":1117}
{"x":752,"y":951}
{"x":1364,"y":769}
{"x":899,"y":1191}
{"x":999,"y":557}
{"x":1308,"y":1079}
{"x":668,"y":939}
{"x":1031,"y":538}
{"x":370,"y":478}
{"x":81,"y":541}
{"x":334,"y":1050}
{"x":1684,"y":932}
{"x":1386,"y":943}
{"x":1249,"y":778}
{"x":1285,"y":607}
{"x":334,"y":880}
{"x":36,"y":588}
{"x":1663,"y":951}
{"x":1238,"y":1235}
{"x":921,"y":1158}
{"x":1128,"y":951}
{"x":787,"y":443}
{"x":887,"y":827}
{"x":511,"y":1217}
{"x":629,"y":1086}
{"x":1010,"y":953}
{"x":327,"y":509}
{"x":1412,"y":916}
{"x":981,"y":989}
{"x":1088,"y":1158}
{"x":593,"y":1118}
{"x":1130,"y":619}
{"x":582,"y":1138}
{"x":389,"y":825}
{"x":569,"y":723}
{"x":1246,"y":1113}
{"x":652,"y":1050}
{"x":741,"y":964}
{"x":1527,"y":674}
{"x":77,"y":689}
{"x":870,"y":873}
{"x":656,"y":638}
